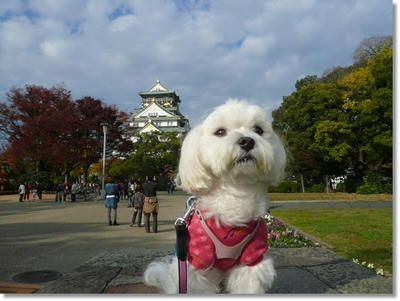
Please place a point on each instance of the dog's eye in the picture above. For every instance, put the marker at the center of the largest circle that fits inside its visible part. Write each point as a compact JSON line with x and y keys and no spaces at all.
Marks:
{"x":258,"y":130}
{"x":220,"y":132}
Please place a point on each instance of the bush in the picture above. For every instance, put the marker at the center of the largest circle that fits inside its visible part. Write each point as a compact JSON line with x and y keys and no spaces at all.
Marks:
{"x":340,"y":187}
{"x":373,"y":183}
{"x":387,"y":188}
{"x":352,"y":183}
{"x":368,"y":188}
{"x":373,"y":177}
{"x":285,"y":187}
{"x":317,"y":188}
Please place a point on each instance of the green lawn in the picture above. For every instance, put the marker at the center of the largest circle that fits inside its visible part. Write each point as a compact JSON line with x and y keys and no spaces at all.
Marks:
{"x":327,"y":196}
{"x":365,"y":234}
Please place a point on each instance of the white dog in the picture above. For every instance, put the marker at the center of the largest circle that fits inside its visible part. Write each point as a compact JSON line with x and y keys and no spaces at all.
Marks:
{"x":227,"y":162}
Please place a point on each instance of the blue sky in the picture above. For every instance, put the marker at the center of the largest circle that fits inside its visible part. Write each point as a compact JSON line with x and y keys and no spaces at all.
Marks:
{"x":207,"y":51}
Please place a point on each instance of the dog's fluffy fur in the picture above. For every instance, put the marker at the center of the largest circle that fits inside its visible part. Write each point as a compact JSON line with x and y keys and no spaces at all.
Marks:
{"x":230,"y":189}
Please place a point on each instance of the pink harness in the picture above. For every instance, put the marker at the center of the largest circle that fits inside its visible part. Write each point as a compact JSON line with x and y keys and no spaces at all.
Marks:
{"x":210,"y":244}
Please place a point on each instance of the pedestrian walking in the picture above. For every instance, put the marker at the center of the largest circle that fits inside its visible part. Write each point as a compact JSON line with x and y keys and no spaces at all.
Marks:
{"x":28,"y":188}
{"x":21,"y":190}
{"x":131,"y":192}
{"x":39,"y":190}
{"x":171,"y":186}
{"x":111,"y":197}
{"x":126,"y":190}
{"x":138,"y":200}
{"x":65,"y":191}
{"x":60,"y":192}
{"x":121,"y":190}
{"x":150,"y":205}
{"x":74,"y":190}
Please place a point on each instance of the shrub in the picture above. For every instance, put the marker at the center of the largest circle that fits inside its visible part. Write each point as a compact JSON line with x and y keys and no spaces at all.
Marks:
{"x":373,"y":177}
{"x":285,"y":187}
{"x":317,"y":188}
{"x":352,"y":183}
{"x":387,"y":188}
{"x":341,"y":187}
{"x":368,"y":188}
{"x":373,"y":183}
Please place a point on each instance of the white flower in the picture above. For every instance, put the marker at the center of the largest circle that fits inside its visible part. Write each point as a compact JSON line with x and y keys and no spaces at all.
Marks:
{"x":379,"y":271}
{"x":355,"y":260}
{"x":370,"y":265}
{"x":269,"y":217}
{"x":363,"y":263}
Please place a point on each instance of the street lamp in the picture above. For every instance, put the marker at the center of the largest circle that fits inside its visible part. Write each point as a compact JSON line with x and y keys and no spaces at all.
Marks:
{"x":105,"y":126}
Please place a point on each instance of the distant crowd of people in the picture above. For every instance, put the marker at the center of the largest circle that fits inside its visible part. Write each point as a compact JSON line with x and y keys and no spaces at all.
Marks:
{"x":61,"y":189}
{"x":141,"y":197}
{"x":25,"y":189}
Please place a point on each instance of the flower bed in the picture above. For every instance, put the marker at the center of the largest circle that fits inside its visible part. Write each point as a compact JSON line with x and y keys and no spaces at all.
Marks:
{"x":282,"y":236}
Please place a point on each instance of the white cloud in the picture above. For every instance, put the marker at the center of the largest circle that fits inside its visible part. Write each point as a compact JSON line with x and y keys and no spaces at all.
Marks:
{"x":122,"y":23}
{"x":54,"y":48}
{"x":281,"y":70}
{"x":257,"y":45}
{"x":205,"y":50}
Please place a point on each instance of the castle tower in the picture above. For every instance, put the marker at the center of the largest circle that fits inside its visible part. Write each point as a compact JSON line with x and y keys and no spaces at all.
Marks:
{"x":159,"y":111}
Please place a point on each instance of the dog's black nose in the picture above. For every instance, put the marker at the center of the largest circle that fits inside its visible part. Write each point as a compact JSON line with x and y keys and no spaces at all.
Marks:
{"x":246,"y":143}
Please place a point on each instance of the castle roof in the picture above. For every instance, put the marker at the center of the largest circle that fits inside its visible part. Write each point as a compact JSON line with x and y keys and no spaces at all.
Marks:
{"x":158,"y":88}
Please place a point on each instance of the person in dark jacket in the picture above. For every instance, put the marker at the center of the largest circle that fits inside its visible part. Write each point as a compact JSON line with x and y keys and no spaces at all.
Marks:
{"x":138,"y":200}
{"x":60,"y":190}
{"x":150,"y":205}
{"x":111,"y":197}
{"x":39,"y":190}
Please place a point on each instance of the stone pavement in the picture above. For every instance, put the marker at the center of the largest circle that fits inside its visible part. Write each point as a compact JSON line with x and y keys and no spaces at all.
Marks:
{"x":299,"y":271}
{"x":72,"y":238}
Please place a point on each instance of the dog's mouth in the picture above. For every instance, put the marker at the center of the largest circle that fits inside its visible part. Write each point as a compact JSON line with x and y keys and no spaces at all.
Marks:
{"x":247,"y":158}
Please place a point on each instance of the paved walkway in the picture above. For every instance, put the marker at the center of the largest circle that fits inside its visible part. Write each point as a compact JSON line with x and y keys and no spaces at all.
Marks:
{"x":299,"y":271}
{"x":74,"y":240}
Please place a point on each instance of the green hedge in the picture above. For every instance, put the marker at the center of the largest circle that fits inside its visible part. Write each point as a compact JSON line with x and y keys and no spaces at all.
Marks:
{"x":285,"y":187}
{"x":317,"y":188}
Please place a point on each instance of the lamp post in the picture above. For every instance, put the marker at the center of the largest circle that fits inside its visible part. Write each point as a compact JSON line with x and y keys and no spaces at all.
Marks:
{"x":105,"y":126}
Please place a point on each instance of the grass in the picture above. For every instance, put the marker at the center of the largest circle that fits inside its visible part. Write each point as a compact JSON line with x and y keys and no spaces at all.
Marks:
{"x":327,"y":196}
{"x":364,"y":234}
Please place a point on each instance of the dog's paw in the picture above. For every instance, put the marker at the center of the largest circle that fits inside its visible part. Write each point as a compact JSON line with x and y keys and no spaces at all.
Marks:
{"x":251,"y":279}
{"x":160,"y":275}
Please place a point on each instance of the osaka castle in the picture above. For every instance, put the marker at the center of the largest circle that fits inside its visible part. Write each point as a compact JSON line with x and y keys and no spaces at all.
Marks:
{"x":159,"y":111}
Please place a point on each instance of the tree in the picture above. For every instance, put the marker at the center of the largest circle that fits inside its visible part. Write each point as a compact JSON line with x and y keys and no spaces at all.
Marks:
{"x":368,"y":103}
{"x":370,"y":47}
{"x":37,"y":121}
{"x":296,"y":120}
{"x":48,"y":128}
{"x":88,"y":134}
{"x":342,"y":120}
{"x":151,"y":154}
{"x":309,"y":79}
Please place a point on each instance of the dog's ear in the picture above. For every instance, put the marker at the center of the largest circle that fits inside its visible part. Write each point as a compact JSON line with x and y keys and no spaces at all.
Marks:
{"x":192,"y":174}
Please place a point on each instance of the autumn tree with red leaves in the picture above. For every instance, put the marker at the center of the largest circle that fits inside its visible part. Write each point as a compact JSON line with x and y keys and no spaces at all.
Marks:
{"x":48,"y":127}
{"x":35,"y":122}
{"x":88,"y":145}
